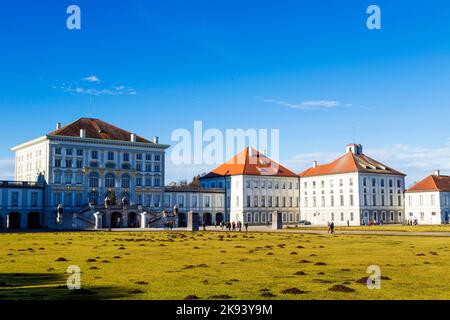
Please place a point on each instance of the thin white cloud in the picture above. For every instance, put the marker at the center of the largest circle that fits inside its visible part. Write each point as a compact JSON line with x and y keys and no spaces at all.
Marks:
{"x":306,"y":105}
{"x":92,"y":78}
{"x":110,"y":91}
{"x":7,"y":169}
{"x":114,"y":91}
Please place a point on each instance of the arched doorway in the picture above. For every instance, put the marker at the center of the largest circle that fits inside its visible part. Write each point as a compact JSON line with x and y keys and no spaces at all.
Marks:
{"x":34,"y":220}
{"x":116,"y":220}
{"x":14,"y":220}
{"x":207,"y":219}
{"x":181,"y":219}
{"x":132,"y":220}
{"x":219,"y":218}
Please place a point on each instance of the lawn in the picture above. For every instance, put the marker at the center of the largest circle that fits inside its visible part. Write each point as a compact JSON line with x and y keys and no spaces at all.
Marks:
{"x":394,"y":228}
{"x":211,"y":265}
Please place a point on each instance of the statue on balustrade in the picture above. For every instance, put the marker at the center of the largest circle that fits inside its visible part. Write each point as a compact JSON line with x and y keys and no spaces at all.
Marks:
{"x":59,"y":214}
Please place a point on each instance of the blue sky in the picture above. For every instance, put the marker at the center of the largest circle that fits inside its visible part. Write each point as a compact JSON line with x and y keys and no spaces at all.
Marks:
{"x":236,"y":64}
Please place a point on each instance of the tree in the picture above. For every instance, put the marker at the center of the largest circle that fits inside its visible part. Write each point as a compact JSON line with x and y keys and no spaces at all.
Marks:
{"x":113,"y":198}
{"x":195,"y":182}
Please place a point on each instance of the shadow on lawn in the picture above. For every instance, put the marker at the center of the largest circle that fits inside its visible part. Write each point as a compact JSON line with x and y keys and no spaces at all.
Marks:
{"x":35,"y":286}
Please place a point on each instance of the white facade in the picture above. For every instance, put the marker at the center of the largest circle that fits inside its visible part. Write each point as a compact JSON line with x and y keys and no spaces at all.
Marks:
{"x":208,"y":203}
{"x":22,"y":205}
{"x":428,"y":207}
{"x":83,"y":170}
{"x":352,"y":198}
{"x":253,"y":199}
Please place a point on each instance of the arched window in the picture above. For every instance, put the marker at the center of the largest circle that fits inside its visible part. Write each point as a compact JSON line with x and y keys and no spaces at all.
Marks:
{"x":110,"y":180}
{"x":93,"y":198}
{"x":126,"y":181}
{"x":93,"y":180}
{"x":139,"y":180}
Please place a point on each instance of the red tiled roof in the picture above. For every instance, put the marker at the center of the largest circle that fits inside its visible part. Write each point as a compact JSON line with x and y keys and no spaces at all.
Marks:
{"x":432,"y":183}
{"x":250,"y":162}
{"x":350,"y":162}
{"x":96,"y":129}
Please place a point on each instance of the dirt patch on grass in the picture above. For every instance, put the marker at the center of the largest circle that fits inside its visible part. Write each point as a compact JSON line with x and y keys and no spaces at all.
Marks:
{"x":293,"y":291}
{"x":62,"y":260}
{"x":341,"y":288}
{"x":191,"y":298}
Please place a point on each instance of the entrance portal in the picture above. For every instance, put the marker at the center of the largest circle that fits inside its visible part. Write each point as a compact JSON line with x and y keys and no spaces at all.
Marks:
{"x":116,"y":220}
{"x":34,"y":220}
{"x":14,"y":220}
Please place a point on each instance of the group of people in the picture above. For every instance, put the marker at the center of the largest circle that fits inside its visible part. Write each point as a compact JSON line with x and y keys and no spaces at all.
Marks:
{"x":169,"y":225}
{"x":414,"y":222}
{"x":233,"y":226}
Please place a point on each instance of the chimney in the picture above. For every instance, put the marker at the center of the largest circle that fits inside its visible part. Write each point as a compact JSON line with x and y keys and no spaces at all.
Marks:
{"x":58,"y":126}
{"x":155,"y":140}
{"x":314,"y":164}
{"x":133,"y":137}
{"x":82,"y":133}
{"x":437,"y":173}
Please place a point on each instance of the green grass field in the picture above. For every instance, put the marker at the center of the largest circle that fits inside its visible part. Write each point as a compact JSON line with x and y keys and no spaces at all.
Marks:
{"x":212,"y":265}
{"x":394,"y":228}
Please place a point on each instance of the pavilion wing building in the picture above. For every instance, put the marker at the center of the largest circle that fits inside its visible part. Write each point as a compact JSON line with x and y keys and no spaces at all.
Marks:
{"x":352,"y":190}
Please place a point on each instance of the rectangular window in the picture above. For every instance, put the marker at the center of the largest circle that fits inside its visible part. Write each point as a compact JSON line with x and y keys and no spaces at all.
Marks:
{"x":126,"y":157}
{"x":110,"y":156}
{"x":139,"y":156}
{"x":69,"y":177}
{"x":148,"y":157}
{"x":79,"y":199}
{"x":58,"y":163}
{"x":263,"y":201}
{"x":180,"y":201}
{"x":157,"y":182}
{"x":68,"y":163}
{"x":15,"y":199}
{"x":68,"y":199}
{"x":194,"y":202}
{"x":57,"y":178}
{"x":69,"y":152}
{"x":80,"y":152}
{"x":207,"y":201}
{"x":255,"y":201}
{"x":79,"y":178}
{"x":157,"y":157}
{"x":79,"y":164}
{"x":34,"y":199}
{"x":94,"y":155}
{"x":58,"y":151}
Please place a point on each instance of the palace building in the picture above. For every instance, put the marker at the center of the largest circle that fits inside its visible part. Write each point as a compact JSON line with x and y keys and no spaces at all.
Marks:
{"x":256,"y":186}
{"x":92,"y":175}
{"x":352,"y":190}
{"x":428,"y":201}
{"x":90,"y":163}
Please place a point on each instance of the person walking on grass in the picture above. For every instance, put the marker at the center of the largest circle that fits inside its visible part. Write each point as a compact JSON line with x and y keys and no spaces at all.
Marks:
{"x":329,"y":228}
{"x":332,"y":228}
{"x":246,"y":227}
{"x":234,"y":226}
{"x":239,"y":226}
